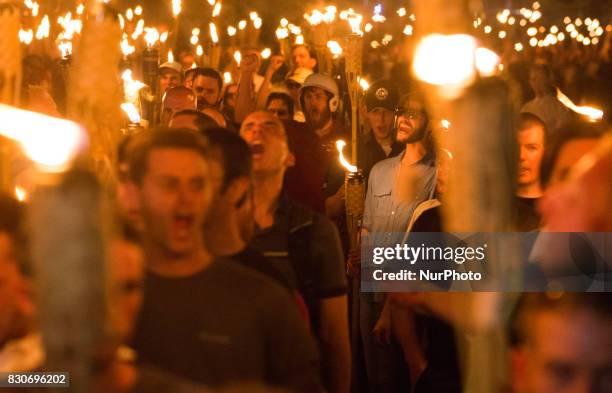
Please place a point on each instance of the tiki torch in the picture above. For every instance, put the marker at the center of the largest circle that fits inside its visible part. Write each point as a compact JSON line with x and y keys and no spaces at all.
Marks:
{"x":150,"y":69}
{"x":352,"y":69}
{"x":215,"y":50}
{"x":354,"y":196}
{"x":321,"y":23}
{"x":354,"y":191}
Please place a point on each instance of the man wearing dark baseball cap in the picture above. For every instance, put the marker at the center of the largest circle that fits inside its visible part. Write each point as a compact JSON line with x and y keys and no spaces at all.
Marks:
{"x":381,"y":101}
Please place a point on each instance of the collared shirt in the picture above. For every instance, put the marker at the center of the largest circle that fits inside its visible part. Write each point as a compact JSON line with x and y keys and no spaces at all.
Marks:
{"x":387,"y":208}
{"x":370,"y":152}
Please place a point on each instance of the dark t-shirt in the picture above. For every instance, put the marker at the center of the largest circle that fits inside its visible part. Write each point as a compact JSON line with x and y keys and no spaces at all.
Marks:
{"x":226,"y":324}
{"x":526,"y":217}
{"x":304,"y":180}
{"x":256,"y":261}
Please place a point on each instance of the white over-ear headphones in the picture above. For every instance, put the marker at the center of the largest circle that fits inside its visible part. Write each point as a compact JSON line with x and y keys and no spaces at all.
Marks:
{"x":333,"y":103}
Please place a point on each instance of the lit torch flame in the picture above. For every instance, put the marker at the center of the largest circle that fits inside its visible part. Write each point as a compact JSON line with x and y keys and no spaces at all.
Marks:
{"x":593,"y":114}
{"x":170,"y":56}
{"x":213,"y":33}
{"x":50,"y":142}
{"x":26,"y":36}
{"x":340,"y":146}
{"x":335,"y":48}
{"x":21,"y":194}
{"x":176,"y":7}
{"x":217,"y":10}
{"x":131,"y":112}
{"x":131,"y":87}
{"x":151,"y":36}
{"x":43,"y":29}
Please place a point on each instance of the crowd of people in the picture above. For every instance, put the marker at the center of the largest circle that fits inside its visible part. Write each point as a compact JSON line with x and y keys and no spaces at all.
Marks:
{"x":232,"y":264}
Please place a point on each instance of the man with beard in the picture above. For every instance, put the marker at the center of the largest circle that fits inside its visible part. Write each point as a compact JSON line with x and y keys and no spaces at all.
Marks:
{"x":301,"y":243}
{"x":395,"y":187}
{"x":206,"y":319}
{"x":207,"y":87}
{"x":319,"y":99}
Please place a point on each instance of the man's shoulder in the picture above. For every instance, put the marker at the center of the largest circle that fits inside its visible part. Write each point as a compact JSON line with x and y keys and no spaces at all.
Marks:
{"x":302,"y":216}
{"x":384,"y":168}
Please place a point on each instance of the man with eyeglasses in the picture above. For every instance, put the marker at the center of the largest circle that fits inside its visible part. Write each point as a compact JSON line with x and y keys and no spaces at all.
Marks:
{"x":395,"y":187}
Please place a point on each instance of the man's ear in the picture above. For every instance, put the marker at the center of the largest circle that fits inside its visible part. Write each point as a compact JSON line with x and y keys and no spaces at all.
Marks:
{"x":289,"y":160}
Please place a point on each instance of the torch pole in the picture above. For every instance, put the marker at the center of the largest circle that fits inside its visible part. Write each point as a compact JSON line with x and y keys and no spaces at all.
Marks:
{"x":353,"y":71}
{"x":354,"y":186}
{"x":150,"y":67}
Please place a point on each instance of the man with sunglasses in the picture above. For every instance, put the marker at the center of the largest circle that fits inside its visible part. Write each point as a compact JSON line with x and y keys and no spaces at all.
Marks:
{"x":395,"y":187}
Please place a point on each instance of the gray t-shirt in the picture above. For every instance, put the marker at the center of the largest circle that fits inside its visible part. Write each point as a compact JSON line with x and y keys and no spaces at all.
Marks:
{"x":226,"y":324}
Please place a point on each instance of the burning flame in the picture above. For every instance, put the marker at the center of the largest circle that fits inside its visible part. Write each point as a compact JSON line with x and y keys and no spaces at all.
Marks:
{"x":170,"y":56}
{"x":131,"y":112}
{"x":33,"y":6}
{"x":176,"y":7}
{"x":199,"y":50}
{"x":43,"y":29}
{"x":340,"y":146}
{"x":364,"y":84}
{"x":139,"y":30}
{"x":21,"y":194}
{"x":242,"y":24}
{"x":231,"y":31}
{"x":257,"y":23}
{"x":227,"y":77}
{"x":445,"y":124}
{"x":299,"y":40}
{"x":593,"y":114}
{"x":151,"y":36}
{"x":131,"y":87}
{"x":315,"y":18}
{"x":335,"y":48}
{"x":26,"y":36}
{"x":216,"y":10}
{"x":354,"y":19}
{"x":486,"y":61}
{"x":138,"y":10}
{"x":126,"y":48}
{"x":65,"y":48}
{"x":50,"y":142}
{"x":282,"y":33}
{"x":213,"y":33}
{"x":163,"y":37}
{"x":266,"y":53}
{"x":378,"y":17}
{"x":129,"y":14}
{"x":447,"y":61}
{"x":237,"y":57}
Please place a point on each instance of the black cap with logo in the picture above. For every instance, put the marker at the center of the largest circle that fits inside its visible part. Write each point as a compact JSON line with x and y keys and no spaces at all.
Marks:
{"x":382,"y":94}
